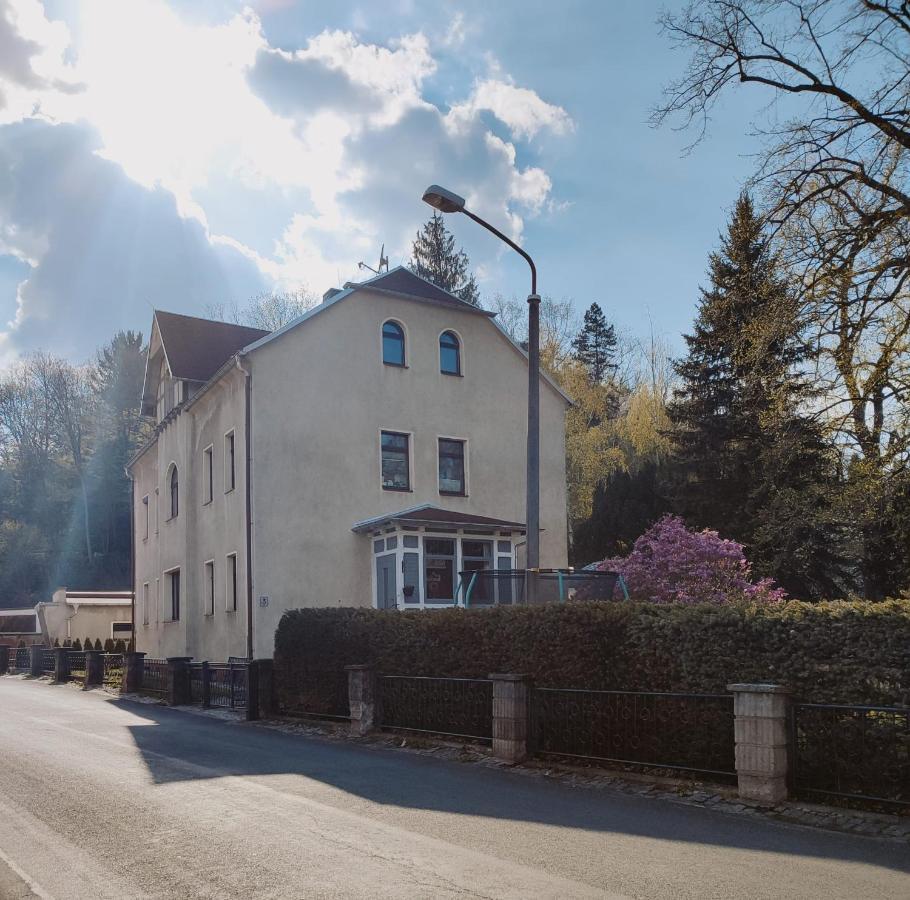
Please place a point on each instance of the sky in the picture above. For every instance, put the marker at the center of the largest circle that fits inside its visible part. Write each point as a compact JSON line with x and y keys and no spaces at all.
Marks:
{"x":177,"y":154}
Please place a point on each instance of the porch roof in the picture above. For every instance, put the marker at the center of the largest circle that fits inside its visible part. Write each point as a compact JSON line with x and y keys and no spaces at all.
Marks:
{"x":429,"y":515}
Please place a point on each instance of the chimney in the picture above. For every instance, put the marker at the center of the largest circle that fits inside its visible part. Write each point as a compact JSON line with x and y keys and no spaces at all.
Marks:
{"x":331,"y":292}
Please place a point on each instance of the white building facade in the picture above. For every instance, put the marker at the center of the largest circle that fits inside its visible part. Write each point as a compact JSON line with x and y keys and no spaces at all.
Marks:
{"x":367,"y":454}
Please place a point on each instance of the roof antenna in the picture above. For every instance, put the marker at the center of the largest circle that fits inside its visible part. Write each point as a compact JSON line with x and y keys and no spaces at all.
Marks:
{"x":383,"y":263}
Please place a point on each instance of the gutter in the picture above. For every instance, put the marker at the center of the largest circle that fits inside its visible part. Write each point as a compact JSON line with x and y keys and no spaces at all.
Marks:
{"x":248,"y":471}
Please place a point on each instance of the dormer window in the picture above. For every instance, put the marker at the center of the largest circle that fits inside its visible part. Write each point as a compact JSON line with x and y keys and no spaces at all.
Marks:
{"x":393,"y":344}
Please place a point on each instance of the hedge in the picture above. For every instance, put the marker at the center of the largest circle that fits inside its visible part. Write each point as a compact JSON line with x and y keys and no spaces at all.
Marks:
{"x":838,"y":651}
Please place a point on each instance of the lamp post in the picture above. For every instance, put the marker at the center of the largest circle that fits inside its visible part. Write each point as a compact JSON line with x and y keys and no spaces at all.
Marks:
{"x":447,"y":202}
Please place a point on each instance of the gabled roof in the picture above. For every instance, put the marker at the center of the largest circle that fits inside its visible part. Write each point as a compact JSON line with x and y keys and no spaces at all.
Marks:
{"x":197,"y":348}
{"x":428,"y":514}
{"x":404,"y":283}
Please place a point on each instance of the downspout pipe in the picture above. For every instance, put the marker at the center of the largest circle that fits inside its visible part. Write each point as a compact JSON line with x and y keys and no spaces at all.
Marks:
{"x":248,"y":470}
{"x":132,"y":643}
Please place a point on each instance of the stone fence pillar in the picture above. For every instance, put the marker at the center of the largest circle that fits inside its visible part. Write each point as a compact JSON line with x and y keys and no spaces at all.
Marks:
{"x":61,"y":665}
{"x":363,"y":698}
{"x":762,"y":738}
{"x":4,"y":659}
{"x":511,"y":716}
{"x":36,"y":660}
{"x":259,"y":689}
{"x":178,"y":680}
{"x":94,"y":668}
{"x":133,"y":665}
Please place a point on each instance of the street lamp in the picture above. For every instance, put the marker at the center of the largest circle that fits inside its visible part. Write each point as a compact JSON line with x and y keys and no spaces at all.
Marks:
{"x":448,"y":202}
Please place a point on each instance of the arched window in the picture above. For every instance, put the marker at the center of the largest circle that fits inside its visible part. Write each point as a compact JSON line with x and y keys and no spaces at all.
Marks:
{"x":392,"y":344}
{"x":175,"y":493}
{"x":449,"y":354}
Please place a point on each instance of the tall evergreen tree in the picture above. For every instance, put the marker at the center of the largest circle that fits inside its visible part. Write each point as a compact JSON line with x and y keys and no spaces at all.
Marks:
{"x":748,"y":461}
{"x":435,"y":257}
{"x":595,"y":345}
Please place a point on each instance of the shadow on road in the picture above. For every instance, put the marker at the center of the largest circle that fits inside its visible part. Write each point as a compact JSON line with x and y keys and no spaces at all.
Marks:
{"x":177,"y":746}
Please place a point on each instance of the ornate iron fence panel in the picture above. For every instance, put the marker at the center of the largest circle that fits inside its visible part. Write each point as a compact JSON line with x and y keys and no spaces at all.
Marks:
{"x":21,"y":660}
{"x":460,"y":707}
{"x":77,"y":665}
{"x":227,"y":685}
{"x":113,"y":669}
{"x":853,"y":752}
{"x":685,"y":732}
{"x":48,"y":662}
{"x":154,"y":677}
{"x":321,"y":694}
{"x":196,"y":684}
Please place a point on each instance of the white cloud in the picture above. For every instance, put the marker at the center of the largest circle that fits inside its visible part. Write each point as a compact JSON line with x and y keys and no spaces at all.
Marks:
{"x":156,"y":111}
{"x":520,"y":109}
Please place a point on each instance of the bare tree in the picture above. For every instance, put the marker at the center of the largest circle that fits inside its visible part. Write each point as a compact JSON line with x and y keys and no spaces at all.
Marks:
{"x":836,"y":74}
{"x":268,"y":311}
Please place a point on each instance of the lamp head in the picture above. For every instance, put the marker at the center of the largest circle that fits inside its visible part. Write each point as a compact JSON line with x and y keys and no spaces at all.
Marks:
{"x":443,"y":200}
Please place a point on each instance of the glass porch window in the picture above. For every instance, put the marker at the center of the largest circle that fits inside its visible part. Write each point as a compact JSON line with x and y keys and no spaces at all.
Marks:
{"x":451,"y":467}
{"x":439,"y":569}
{"x":395,"y":464}
{"x":477,"y":556}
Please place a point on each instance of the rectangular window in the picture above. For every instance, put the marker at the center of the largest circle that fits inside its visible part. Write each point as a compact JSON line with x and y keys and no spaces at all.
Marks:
{"x":145,"y":517}
{"x":210,"y":588}
{"x":477,"y":556}
{"x":395,"y":463}
{"x":208,"y":474}
{"x":157,"y":601}
{"x":172,"y":583}
{"x":451,"y":467}
{"x":232,"y":582}
{"x":230,"y":478}
{"x":439,"y":569}
{"x":145,"y":603}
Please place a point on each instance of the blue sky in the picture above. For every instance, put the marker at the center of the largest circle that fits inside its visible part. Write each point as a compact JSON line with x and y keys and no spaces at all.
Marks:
{"x":180,"y":154}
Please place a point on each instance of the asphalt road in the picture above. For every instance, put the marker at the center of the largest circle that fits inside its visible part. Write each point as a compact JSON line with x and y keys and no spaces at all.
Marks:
{"x":101,"y":797}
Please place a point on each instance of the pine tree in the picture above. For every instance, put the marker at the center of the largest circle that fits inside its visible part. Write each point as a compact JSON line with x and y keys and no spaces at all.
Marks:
{"x":435,"y":257}
{"x":595,"y":345}
{"x":748,"y":460}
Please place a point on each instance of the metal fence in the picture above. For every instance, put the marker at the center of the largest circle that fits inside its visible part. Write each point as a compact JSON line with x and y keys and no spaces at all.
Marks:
{"x":857,"y":753}
{"x":459,"y":707}
{"x":154,"y":677}
{"x":19,"y":659}
{"x":77,"y":665}
{"x":197,"y":682}
{"x":684,"y":732}
{"x":320,"y":694}
{"x":48,"y":661}
{"x":113,"y":669}
{"x":227,"y":684}
{"x":507,"y":587}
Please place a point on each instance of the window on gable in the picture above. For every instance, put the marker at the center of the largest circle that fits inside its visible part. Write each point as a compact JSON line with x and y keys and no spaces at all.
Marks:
{"x":232,"y":582}
{"x":175,"y":493}
{"x":392,"y":344}
{"x":451,"y":466}
{"x":208,"y":474}
{"x":395,"y":462}
{"x":210,"y":588}
{"x":145,"y":517}
{"x":449,"y":353}
{"x":230,"y":477}
{"x":173,"y":578}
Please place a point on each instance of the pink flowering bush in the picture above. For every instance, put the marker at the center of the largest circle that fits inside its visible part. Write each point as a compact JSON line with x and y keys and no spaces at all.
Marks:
{"x":670,"y":563}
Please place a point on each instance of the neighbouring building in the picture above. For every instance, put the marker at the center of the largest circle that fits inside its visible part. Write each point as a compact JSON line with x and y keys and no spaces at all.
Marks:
{"x":19,"y":624}
{"x":98,"y":615}
{"x":364,"y":454}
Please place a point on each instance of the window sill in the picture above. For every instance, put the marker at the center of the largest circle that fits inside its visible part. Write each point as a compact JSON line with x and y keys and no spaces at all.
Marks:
{"x":398,"y":490}
{"x":232,"y":612}
{"x":229,"y":490}
{"x":452,"y":494}
{"x":207,"y":502}
{"x":210,"y":615}
{"x":395,"y":365}
{"x":452,"y":374}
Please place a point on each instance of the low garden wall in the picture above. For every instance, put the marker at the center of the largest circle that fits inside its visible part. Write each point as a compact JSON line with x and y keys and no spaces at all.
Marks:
{"x":838,"y":652}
